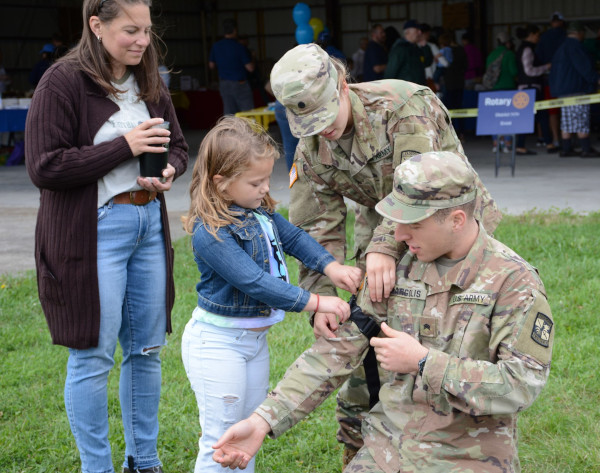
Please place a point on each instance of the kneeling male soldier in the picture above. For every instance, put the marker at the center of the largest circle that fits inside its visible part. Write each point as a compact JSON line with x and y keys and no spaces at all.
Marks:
{"x":465,"y":342}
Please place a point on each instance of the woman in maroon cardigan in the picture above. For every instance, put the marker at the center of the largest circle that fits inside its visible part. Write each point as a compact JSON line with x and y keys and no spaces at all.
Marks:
{"x":103,"y":252}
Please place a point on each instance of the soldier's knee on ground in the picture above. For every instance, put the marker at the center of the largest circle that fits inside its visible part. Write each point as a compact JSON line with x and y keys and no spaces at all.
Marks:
{"x":348,"y":456}
{"x":362,"y":462}
{"x":349,"y":432}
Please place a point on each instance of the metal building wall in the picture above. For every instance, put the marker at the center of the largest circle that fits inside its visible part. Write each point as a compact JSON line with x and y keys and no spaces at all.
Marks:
{"x":190,"y":26}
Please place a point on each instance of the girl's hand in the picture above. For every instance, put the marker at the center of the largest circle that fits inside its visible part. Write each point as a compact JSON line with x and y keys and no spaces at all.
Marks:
{"x":143,"y":136}
{"x":344,"y":277}
{"x":331,"y":304}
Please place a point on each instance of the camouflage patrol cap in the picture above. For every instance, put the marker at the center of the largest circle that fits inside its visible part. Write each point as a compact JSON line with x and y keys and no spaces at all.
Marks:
{"x":426,"y":183}
{"x":305,"y":82}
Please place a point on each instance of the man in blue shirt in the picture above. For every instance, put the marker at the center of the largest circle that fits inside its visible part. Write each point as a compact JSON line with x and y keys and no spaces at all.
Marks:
{"x":376,"y":55}
{"x":549,"y":43}
{"x":233,"y":62}
{"x":572,"y":74}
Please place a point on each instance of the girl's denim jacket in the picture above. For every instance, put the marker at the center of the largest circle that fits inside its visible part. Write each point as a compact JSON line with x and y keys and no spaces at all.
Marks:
{"x":235,"y":277}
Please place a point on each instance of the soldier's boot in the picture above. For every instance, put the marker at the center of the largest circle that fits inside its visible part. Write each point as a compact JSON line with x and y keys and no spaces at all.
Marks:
{"x":349,"y":454}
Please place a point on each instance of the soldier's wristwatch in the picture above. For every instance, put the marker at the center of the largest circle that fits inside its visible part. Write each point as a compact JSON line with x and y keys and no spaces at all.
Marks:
{"x":422,"y":364}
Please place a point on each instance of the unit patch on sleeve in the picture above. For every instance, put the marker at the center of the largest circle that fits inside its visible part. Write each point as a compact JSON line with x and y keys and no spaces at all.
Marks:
{"x":542,"y":328}
{"x":293,"y":175}
{"x":406,"y":154}
{"x":536,"y":336}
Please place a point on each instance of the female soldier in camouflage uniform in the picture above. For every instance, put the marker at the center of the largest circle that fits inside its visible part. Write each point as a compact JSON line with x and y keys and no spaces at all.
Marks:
{"x":353,"y":136}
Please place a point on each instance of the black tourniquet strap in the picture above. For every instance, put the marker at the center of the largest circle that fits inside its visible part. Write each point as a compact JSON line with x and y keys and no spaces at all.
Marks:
{"x":369,"y":328}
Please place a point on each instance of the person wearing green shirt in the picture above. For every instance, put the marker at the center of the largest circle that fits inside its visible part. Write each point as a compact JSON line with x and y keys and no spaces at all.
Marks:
{"x":507,"y":80}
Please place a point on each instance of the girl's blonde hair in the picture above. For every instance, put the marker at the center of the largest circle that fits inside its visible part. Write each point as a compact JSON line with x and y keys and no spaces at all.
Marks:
{"x":227,"y":150}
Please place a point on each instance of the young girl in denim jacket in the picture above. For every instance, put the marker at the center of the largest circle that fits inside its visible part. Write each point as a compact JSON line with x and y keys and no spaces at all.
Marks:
{"x":239,"y":244}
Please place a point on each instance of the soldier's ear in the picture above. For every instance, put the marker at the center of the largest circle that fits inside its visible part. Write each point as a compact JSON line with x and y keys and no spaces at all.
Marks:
{"x":345,"y":89}
{"x":458,"y":218}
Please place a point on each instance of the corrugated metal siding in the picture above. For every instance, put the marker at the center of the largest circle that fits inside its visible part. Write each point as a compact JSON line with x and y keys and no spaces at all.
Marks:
{"x":269,"y":25}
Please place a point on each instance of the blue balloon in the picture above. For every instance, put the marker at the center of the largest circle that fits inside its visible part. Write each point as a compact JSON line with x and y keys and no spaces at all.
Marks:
{"x":304,"y":34}
{"x":301,"y":14}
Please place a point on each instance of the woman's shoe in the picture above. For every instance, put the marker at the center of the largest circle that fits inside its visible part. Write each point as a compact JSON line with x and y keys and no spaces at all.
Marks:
{"x":527,"y":152}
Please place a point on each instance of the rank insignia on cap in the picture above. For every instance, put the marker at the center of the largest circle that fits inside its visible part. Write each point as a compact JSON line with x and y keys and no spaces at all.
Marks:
{"x":542,"y":328}
{"x":293,"y":175}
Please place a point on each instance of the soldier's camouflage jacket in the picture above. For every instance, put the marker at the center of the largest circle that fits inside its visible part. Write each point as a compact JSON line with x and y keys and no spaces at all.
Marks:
{"x":489,"y":331}
{"x":393,"y":120}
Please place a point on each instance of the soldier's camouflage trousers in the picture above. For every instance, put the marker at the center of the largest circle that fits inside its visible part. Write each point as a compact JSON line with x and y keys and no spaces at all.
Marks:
{"x":352,"y":404}
{"x":363,"y":462}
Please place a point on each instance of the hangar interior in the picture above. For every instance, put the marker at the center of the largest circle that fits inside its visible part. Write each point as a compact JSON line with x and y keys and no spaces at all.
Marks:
{"x":189,"y":27}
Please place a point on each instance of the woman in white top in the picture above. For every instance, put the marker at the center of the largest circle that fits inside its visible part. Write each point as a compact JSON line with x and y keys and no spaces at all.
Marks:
{"x":103,"y":251}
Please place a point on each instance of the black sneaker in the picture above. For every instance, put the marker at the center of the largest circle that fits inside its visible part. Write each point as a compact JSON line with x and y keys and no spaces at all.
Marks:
{"x":154,"y":469}
{"x":592,"y":153}
{"x":569,"y":154}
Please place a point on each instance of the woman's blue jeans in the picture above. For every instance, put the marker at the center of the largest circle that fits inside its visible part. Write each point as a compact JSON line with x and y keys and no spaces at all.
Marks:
{"x":228,"y":369}
{"x":132,"y":286}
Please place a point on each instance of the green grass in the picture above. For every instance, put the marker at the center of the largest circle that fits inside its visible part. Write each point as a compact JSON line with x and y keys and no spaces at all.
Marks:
{"x":559,"y":433}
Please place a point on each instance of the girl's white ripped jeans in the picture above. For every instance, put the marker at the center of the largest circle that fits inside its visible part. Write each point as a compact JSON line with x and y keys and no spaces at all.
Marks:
{"x":228,"y":369}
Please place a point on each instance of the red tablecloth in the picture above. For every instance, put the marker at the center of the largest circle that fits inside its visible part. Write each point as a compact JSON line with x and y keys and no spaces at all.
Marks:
{"x":201,"y":109}
{"x":198,"y":109}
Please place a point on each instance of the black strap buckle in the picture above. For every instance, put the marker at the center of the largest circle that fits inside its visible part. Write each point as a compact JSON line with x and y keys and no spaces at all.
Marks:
{"x":367,"y":325}
{"x":369,"y":328}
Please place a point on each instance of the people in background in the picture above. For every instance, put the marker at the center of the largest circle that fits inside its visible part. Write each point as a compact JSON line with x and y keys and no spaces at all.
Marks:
{"x":60,"y":48}
{"x":165,"y":74}
{"x":474,"y":61}
{"x":376,"y":55}
{"x":391,"y":35}
{"x":324,"y":40}
{"x":289,"y":141}
{"x":507,"y":80}
{"x":550,"y":41}
{"x":409,"y":56}
{"x":530,"y":76}
{"x":430,"y":70}
{"x":454,"y":83}
{"x":573,"y":74}
{"x":4,"y":77}
{"x":358,"y":59}
{"x":232,"y":62}
{"x":441,"y":61}
{"x":45,"y":61}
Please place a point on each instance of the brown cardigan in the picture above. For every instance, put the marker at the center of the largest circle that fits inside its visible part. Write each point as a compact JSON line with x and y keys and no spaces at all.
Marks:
{"x":67,"y":110}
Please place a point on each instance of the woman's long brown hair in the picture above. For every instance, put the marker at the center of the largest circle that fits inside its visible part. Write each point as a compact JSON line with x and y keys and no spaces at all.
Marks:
{"x":90,"y":56}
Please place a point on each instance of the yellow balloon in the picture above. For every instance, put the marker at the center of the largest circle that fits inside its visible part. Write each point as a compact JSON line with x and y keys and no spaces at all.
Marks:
{"x":317,"y":26}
